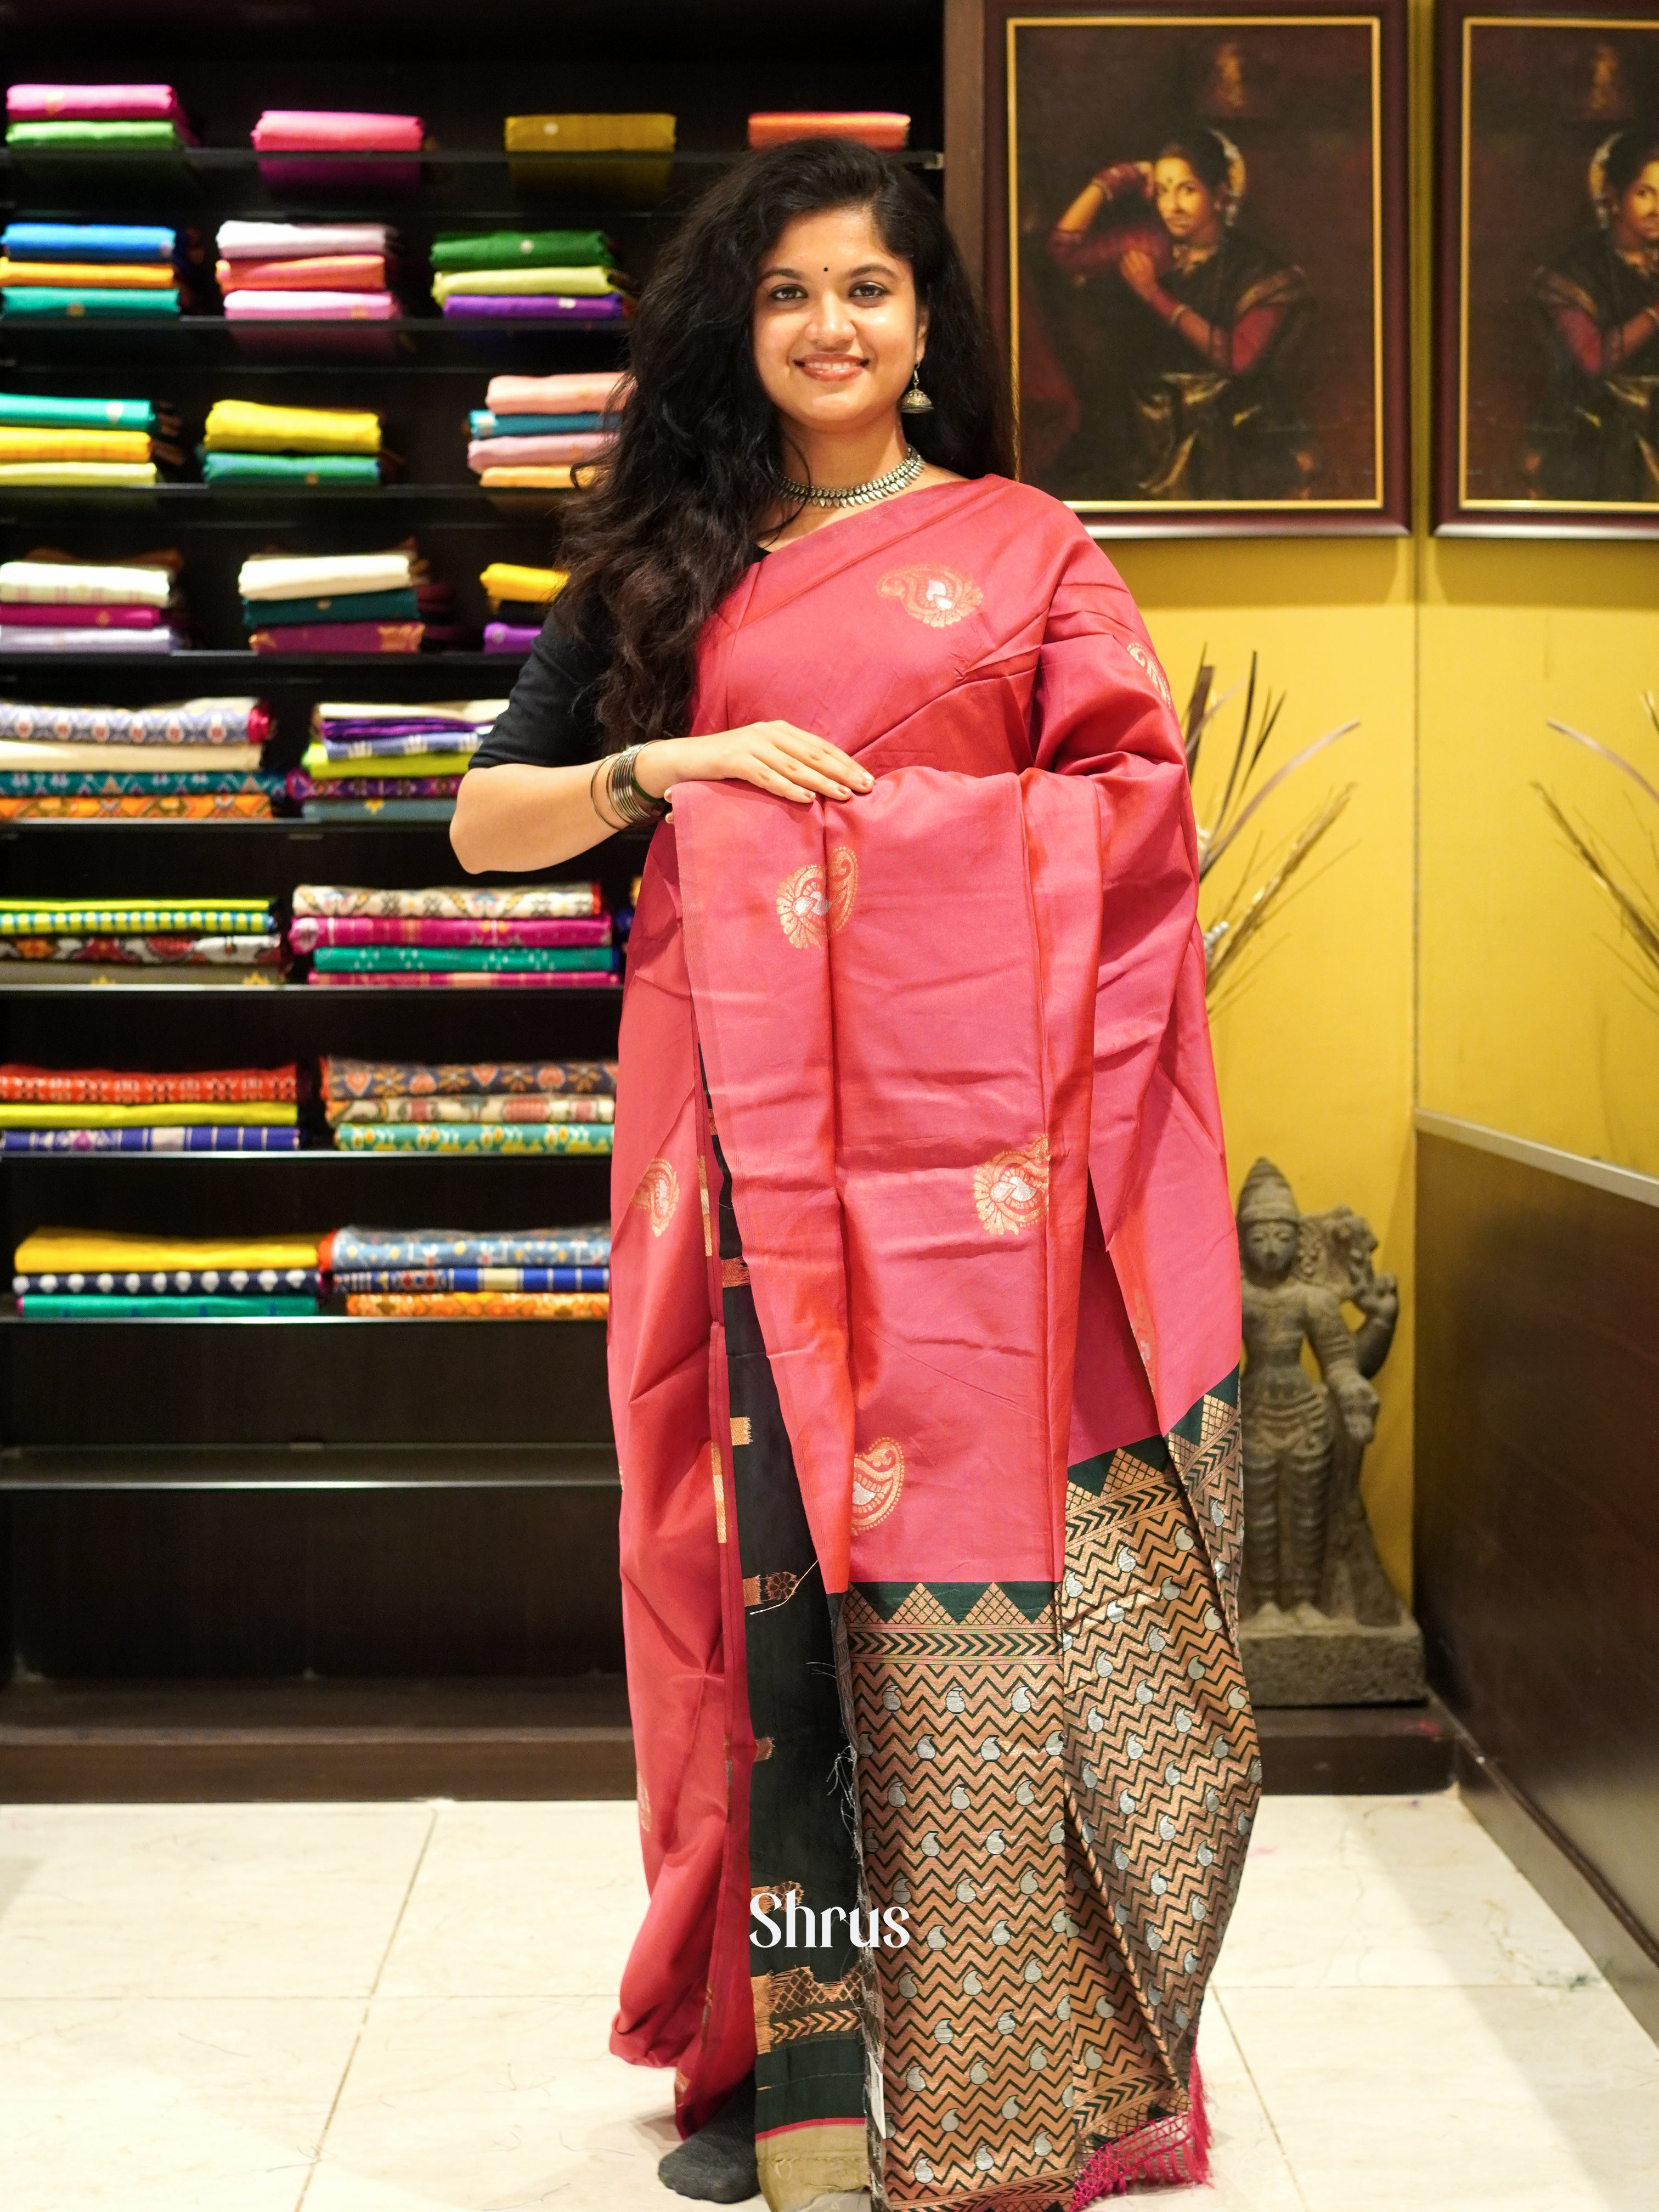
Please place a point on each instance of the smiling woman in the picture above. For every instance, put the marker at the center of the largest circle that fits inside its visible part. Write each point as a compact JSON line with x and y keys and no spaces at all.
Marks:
{"x":924,"y":1313}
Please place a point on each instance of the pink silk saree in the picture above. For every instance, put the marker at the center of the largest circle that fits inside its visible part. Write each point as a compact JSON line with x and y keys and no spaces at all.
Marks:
{"x":923,"y":1347}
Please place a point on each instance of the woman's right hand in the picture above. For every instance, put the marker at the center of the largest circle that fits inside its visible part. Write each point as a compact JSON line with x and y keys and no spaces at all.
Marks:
{"x":775,"y":757}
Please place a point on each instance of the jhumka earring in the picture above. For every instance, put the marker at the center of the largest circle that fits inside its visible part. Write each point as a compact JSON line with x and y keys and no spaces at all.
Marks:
{"x":915,"y":400}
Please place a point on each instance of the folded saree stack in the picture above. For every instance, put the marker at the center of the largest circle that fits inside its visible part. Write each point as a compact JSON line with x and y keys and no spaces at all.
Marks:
{"x":75,"y":119}
{"x":332,"y":603}
{"x":880,"y":128}
{"x":498,"y":1106}
{"x":555,"y":168}
{"x":370,"y":759}
{"x":137,"y":940}
{"x":532,"y":430}
{"x":59,"y":605}
{"x":323,"y":136}
{"x":85,"y":1274}
{"x":569,"y":276}
{"x":197,"y":760}
{"x":109,"y":442}
{"x":450,"y":1274}
{"x":244,"y":442}
{"x":336,"y":272}
{"x":68,"y":271}
{"x":544,"y":936}
{"x":518,"y":600}
{"x":101,"y":1109}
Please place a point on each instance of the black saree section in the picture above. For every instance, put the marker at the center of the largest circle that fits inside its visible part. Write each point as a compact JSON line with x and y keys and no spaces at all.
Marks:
{"x":805,"y":1970}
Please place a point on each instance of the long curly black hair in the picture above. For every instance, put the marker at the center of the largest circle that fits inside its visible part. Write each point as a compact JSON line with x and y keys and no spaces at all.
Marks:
{"x":667,"y":526}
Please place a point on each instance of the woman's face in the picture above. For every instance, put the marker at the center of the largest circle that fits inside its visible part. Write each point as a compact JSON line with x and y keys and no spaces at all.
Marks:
{"x":1186,"y":205}
{"x":836,"y":328}
{"x":1637,"y":218}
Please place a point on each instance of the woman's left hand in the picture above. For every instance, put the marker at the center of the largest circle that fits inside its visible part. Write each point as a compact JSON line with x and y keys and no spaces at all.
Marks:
{"x":1140,"y":272}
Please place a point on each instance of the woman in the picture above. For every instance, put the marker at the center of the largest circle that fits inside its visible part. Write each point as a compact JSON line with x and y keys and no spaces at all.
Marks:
{"x":1598,"y":435}
{"x":925,"y":1294}
{"x":1195,"y":313}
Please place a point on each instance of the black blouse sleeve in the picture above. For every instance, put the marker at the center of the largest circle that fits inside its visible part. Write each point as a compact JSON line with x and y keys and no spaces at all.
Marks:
{"x":550,"y":720}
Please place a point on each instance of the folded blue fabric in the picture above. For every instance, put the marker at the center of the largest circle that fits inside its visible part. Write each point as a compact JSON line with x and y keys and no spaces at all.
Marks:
{"x":88,"y":242}
{"x":486,"y":425}
{"x":337,"y":607}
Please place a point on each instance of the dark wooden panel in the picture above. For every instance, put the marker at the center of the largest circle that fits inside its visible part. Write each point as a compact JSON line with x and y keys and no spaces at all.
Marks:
{"x":194,"y":1585}
{"x":1537,"y":1548}
{"x":164,"y":1742}
{"x":1349,"y":1751}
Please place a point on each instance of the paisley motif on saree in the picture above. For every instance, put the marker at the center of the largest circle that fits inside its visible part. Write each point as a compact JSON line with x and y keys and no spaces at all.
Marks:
{"x":962,"y":1642}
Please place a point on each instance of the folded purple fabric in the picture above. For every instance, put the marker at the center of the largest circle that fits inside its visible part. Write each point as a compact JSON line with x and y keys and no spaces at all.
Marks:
{"x":525,"y":307}
{"x":509,"y":637}
{"x":93,"y":103}
{"x":557,"y":450}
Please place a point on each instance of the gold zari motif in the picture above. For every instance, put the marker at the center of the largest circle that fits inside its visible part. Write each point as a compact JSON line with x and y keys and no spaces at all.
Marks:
{"x":659,"y":1193}
{"x":1010,"y":1190}
{"x":878,"y":1478}
{"x":938,"y":597}
{"x":812,"y":909}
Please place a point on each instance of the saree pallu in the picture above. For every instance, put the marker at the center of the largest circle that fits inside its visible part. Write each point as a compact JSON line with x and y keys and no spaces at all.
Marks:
{"x":923,"y":1373}
{"x":344,"y":1078}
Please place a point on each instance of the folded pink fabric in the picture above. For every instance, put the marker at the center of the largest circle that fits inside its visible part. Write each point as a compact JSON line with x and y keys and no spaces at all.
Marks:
{"x":31,"y":617}
{"x":328,"y":272}
{"x":93,"y":103}
{"x":310,"y":306}
{"x":556,"y":450}
{"x":337,"y":130}
{"x":604,"y":394}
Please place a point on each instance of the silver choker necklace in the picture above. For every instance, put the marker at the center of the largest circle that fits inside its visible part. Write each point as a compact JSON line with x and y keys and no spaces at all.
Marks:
{"x":862,"y":495}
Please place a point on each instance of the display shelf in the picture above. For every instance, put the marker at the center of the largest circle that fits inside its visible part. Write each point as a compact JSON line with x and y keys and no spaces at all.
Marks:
{"x":248,"y":159}
{"x":282,"y":1322}
{"x":203,"y":662}
{"x":48,"y":1467}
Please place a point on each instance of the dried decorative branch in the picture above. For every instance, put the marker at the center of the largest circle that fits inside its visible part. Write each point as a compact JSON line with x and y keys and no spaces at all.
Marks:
{"x":1638,"y":909}
{"x":1241,"y":920}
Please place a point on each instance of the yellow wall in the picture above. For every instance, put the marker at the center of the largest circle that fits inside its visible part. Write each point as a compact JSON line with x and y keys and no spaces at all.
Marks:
{"x":1447,"y":950}
{"x":1315,"y":1054}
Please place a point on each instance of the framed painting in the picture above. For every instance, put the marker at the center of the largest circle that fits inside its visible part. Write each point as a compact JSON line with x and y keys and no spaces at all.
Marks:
{"x":1196,"y":249}
{"x":1547,"y":302}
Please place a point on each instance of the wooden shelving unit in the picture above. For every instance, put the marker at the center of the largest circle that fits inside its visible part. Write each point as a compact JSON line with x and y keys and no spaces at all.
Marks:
{"x":327,"y":1556}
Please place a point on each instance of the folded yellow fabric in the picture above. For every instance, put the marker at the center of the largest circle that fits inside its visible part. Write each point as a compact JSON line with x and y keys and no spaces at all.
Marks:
{"x":574,"y":283}
{"x":90,"y":276}
{"x":242,"y":425}
{"x":318,"y":765}
{"x":506,"y":579}
{"x":547,"y":478}
{"x":272,"y":1113}
{"x":590,"y":134}
{"x":74,"y":444}
{"x":60,"y":1251}
{"x":78,"y":472}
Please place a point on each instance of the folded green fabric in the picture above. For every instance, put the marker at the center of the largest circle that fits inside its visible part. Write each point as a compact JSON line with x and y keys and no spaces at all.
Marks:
{"x":293,"y":468}
{"x":108,"y":1305}
{"x":32,"y":411}
{"x":64,"y":305}
{"x":521,"y":249}
{"x":338,"y":607}
{"x":589,"y":1138}
{"x":71,"y":134}
{"x":452,"y":959}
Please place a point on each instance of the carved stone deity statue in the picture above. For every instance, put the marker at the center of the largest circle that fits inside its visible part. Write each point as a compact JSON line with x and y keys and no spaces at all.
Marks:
{"x":1321,"y":1623}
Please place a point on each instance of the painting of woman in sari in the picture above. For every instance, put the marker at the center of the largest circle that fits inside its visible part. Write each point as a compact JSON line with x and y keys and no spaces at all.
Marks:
{"x":1193,"y":312}
{"x":1597,"y":434}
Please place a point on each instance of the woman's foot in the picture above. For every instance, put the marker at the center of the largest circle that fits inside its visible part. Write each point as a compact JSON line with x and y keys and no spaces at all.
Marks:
{"x":717,"y":2164}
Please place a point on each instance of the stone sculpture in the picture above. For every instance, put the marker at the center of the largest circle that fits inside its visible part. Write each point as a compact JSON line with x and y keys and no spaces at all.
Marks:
{"x":1319,"y":1623}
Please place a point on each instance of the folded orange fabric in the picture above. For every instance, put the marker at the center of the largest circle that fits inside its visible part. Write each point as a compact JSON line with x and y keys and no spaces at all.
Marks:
{"x":884,"y":131}
{"x":321,"y":273}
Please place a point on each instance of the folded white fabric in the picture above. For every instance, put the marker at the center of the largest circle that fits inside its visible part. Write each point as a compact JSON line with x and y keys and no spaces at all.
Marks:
{"x":280,"y":576}
{"x":466,"y":714}
{"x":294,"y":242}
{"x":79,"y":584}
{"x":56,"y":756}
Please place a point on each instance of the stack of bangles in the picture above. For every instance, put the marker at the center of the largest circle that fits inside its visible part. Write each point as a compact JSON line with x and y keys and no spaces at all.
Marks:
{"x":630,"y":802}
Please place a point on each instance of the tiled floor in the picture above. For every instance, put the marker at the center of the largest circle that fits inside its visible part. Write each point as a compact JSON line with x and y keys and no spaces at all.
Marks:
{"x":404,"y":2007}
